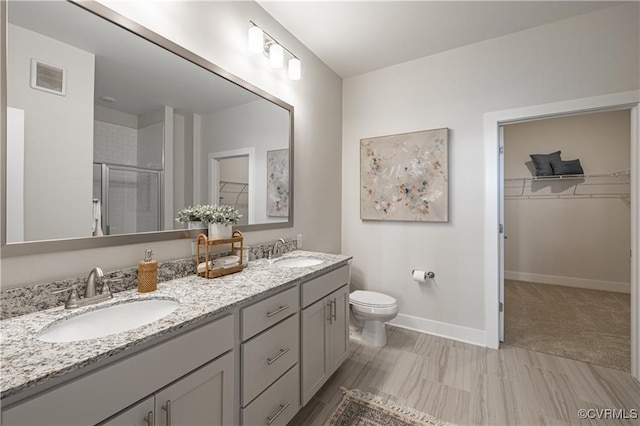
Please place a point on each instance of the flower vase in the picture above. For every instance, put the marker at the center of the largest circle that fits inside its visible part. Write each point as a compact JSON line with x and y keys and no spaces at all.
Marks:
{"x":219,"y":231}
{"x":195,"y":224}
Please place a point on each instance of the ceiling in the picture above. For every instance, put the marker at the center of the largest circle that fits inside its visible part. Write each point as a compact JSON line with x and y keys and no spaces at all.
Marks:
{"x":355,"y":37}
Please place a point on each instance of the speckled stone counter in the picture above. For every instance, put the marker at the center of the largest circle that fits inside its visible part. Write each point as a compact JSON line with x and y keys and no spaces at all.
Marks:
{"x":28,"y":362}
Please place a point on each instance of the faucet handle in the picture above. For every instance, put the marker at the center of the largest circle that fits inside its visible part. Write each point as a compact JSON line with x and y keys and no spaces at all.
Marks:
{"x":74,"y":297}
{"x":105,"y":289}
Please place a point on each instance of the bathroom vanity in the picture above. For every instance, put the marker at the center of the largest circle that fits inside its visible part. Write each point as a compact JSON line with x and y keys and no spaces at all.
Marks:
{"x":248,"y":348}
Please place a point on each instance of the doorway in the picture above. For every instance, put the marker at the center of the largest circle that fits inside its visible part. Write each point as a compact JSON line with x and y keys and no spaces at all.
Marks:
{"x":567,"y":236}
{"x":493,"y":195}
{"x":232,"y":182}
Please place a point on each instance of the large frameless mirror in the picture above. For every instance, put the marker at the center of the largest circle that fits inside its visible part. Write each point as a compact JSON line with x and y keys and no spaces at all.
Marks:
{"x":112,"y":130}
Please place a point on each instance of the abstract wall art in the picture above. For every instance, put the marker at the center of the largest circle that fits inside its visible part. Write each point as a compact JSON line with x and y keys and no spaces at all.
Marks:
{"x":405,"y":177}
{"x":278,"y":182}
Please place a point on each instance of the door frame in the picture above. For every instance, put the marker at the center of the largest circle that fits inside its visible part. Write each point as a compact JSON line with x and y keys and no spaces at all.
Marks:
{"x":214,"y":176}
{"x":492,"y":122}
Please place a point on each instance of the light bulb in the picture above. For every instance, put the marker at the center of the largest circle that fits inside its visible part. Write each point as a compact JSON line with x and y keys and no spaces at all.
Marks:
{"x":294,"y":69}
{"x":256,"y":40}
{"x":276,"y":55}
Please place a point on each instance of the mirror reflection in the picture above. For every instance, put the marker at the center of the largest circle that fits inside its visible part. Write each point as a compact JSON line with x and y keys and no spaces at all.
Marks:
{"x":111,"y":134}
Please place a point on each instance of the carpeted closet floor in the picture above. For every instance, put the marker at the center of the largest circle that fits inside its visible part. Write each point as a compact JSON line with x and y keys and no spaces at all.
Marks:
{"x":587,"y":325}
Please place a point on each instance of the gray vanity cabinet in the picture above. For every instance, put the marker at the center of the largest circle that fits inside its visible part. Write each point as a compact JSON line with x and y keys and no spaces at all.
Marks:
{"x":325,"y":329}
{"x":162,"y":372}
{"x":204,"y":397}
{"x":270,"y":389}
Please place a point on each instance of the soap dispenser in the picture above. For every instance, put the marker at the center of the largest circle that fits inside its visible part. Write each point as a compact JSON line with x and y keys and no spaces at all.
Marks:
{"x":147,"y":273}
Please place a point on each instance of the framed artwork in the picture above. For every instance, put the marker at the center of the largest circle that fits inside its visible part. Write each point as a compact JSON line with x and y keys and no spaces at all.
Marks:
{"x":278,"y":183}
{"x":405,"y":177}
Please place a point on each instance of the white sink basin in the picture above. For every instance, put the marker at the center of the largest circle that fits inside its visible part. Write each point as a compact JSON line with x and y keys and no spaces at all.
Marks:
{"x":108,"y":320}
{"x":298,"y":262}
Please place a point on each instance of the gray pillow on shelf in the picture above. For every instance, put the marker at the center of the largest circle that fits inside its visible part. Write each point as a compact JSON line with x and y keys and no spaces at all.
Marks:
{"x":542,"y":163}
{"x":569,"y":167}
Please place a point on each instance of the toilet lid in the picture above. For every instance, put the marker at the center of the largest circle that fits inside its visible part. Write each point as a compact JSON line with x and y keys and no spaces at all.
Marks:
{"x":371,"y":298}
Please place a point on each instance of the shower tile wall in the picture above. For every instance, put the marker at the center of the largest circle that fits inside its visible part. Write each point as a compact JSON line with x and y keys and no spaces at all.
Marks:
{"x":115,"y":144}
{"x":121,"y":145}
{"x":149,"y":146}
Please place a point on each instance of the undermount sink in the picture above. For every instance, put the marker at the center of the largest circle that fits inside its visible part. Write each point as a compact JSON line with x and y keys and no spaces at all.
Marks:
{"x":298,"y":262}
{"x":109,"y":320}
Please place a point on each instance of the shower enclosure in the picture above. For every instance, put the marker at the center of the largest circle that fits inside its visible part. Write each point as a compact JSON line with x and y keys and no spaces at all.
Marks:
{"x":130,"y":198}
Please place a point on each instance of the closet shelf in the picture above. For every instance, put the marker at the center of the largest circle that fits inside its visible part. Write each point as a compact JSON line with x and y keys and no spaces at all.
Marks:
{"x":230,"y":187}
{"x":603,"y":185}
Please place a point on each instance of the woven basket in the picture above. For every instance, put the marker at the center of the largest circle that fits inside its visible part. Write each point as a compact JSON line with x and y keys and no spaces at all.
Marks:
{"x":147,"y":276}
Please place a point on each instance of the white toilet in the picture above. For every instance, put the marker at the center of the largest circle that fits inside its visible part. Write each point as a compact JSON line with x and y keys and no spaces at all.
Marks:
{"x":372,"y":310}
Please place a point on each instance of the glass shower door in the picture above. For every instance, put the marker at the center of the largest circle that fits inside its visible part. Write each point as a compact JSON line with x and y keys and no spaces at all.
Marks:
{"x":130,"y":199}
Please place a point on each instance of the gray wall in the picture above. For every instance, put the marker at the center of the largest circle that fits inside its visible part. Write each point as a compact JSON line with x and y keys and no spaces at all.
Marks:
{"x":570,"y":241}
{"x":589,"y":55}
{"x":55,"y":186}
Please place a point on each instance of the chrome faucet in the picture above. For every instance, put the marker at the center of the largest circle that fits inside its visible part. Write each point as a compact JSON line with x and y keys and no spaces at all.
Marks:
{"x":90,"y":294}
{"x":273,"y":251}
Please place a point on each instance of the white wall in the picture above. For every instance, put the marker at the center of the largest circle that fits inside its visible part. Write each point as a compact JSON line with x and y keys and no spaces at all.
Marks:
{"x":57,"y":129}
{"x":570,"y":241}
{"x":217,"y":31}
{"x":592,"y":54}
{"x":228,"y":130}
{"x":15,"y":175}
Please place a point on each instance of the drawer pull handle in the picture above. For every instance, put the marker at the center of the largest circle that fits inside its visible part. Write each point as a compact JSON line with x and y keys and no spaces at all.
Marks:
{"x":150,"y":419}
{"x":335,"y":309}
{"x":275,"y":358}
{"x":275,"y":416}
{"x":277,"y":311}
{"x":167,"y":408}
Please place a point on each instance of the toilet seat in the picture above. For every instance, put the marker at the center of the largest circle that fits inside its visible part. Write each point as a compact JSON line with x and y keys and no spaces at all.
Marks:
{"x":371,"y":299}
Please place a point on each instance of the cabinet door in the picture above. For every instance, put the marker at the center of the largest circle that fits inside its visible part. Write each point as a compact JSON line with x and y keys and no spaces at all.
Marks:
{"x":141,"y":414}
{"x":338,"y":330}
{"x":314,"y":355}
{"x":204,"y":397}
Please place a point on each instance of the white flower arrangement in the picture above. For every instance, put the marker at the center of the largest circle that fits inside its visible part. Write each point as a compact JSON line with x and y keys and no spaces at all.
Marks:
{"x":190,"y":214}
{"x":224,"y":214}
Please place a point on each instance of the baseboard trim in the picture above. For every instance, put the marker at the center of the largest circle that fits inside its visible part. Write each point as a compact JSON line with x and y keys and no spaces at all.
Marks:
{"x":618,"y":287}
{"x":441,"y":329}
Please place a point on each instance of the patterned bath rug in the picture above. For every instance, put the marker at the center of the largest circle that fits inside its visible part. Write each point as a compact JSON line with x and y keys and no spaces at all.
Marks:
{"x":359,"y":408}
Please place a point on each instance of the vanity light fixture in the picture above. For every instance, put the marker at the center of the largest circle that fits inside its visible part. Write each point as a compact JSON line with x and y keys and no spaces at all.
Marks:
{"x":260,"y":41}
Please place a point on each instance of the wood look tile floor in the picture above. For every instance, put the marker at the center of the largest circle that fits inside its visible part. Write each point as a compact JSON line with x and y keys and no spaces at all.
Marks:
{"x":467,"y":384}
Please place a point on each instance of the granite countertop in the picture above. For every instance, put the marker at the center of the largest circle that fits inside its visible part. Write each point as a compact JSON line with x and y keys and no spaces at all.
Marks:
{"x":29,"y":362}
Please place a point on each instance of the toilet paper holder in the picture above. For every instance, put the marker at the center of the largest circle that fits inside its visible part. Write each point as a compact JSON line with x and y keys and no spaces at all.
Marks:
{"x":427,"y":274}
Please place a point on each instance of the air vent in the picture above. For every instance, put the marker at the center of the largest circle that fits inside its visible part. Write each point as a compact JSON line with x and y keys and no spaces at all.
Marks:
{"x":49,"y":78}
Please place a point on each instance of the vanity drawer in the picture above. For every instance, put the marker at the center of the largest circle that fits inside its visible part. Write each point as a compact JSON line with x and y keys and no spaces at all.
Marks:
{"x":268,"y":312}
{"x":267,"y":356}
{"x":278,"y":404}
{"x":319,"y":287}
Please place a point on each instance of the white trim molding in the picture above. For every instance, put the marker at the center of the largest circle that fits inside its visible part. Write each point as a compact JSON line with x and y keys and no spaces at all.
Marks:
{"x":492,"y":121}
{"x":473,"y":336}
